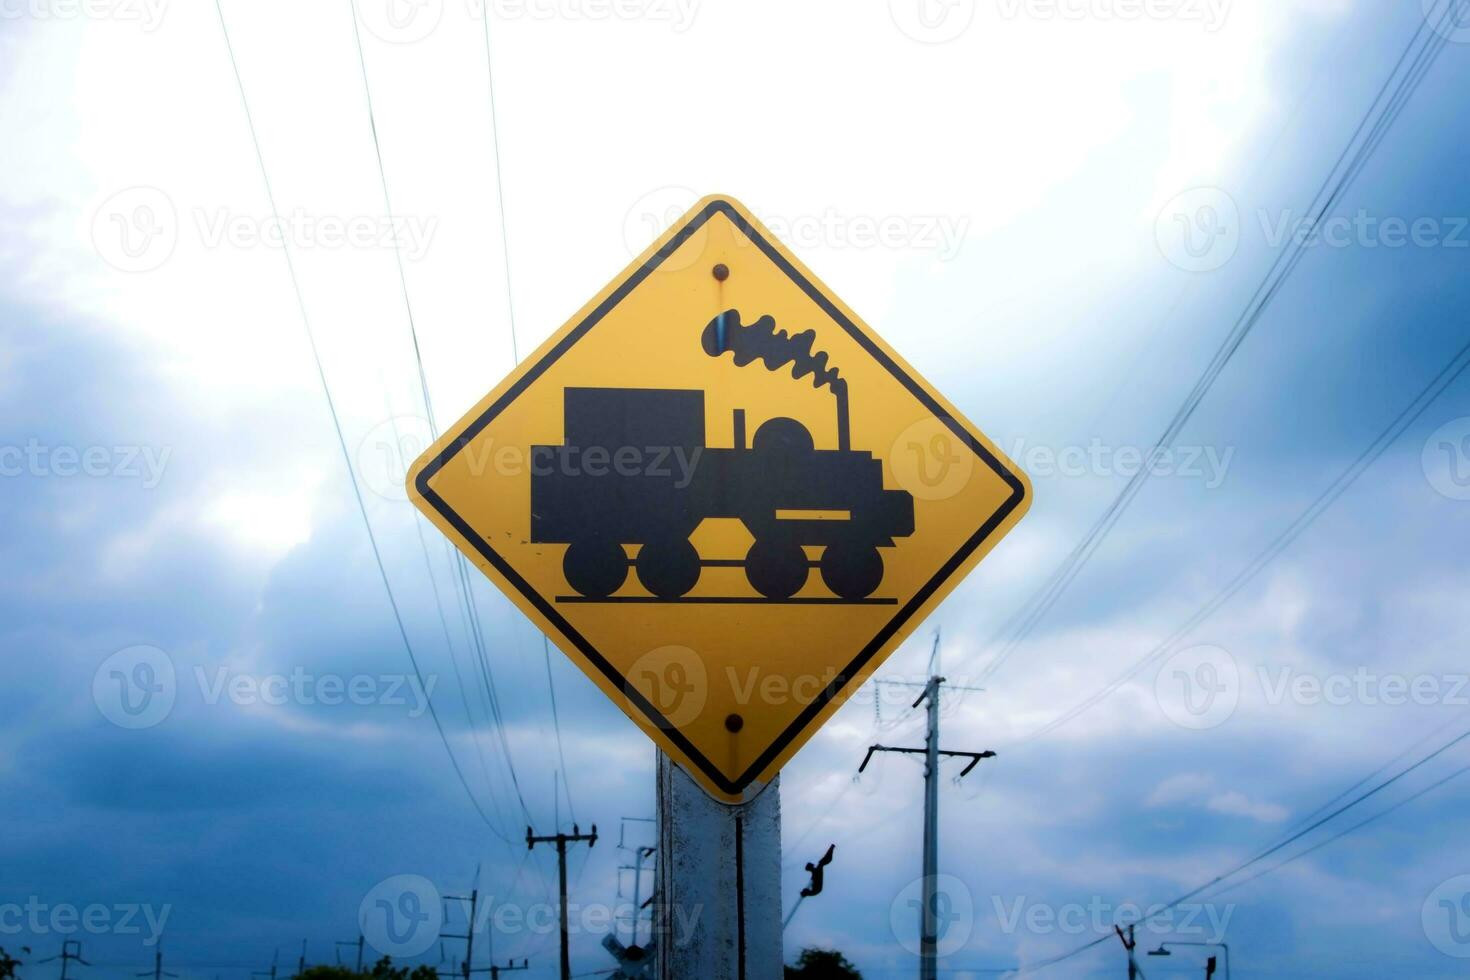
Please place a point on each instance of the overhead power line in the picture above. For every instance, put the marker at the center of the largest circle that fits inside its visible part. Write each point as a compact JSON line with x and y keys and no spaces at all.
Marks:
{"x":1410,"y":414}
{"x":463,"y":580}
{"x":510,"y":309}
{"x":1354,"y":828}
{"x":337,"y":422}
{"x":1156,"y":911}
{"x":1388,"y":104}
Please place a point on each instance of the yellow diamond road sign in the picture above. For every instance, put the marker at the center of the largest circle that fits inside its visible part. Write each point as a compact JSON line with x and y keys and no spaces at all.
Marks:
{"x":722,"y":495}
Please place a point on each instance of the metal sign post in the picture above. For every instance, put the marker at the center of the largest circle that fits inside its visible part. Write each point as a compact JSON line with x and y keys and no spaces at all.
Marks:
{"x":717,"y":914}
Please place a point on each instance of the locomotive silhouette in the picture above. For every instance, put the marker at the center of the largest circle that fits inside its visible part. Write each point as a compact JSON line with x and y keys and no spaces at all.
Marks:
{"x":786,"y":492}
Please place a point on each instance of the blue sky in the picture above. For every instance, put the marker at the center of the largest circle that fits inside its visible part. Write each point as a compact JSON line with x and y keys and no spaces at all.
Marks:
{"x":219,"y":527}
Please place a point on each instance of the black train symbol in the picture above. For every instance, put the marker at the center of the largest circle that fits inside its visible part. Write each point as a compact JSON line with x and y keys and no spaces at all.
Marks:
{"x":787,"y":492}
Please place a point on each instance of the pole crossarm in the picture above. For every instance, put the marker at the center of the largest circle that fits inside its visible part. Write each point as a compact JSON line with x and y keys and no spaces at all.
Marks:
{"x":974,"y":757}
{"x":561,"y":841}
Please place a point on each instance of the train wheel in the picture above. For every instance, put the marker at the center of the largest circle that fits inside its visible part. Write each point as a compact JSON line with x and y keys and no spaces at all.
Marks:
{"x":668,"y":568}
{"x":777,"y":569}
{"x":595,"y":567}
{"x":852,"y":571}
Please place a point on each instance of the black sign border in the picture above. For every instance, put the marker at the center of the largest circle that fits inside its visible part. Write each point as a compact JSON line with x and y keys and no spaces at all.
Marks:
{"x":738,"y":785}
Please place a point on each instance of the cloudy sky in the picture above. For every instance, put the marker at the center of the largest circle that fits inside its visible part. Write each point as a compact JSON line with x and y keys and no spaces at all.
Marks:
{"x":1056,"y":211}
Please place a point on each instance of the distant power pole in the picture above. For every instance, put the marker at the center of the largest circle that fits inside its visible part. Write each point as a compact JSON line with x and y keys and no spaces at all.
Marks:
{"x":929,"y":911}
{"x":469,"y":933}
{"x":66,"y":955}
{"x":271,"y":973}
{"x":348,"y":942}
{"x":301,"y":960}
{"x":1130,"y":944}
{"x":561,"y":841}
{"x":158,"y":972}
{"x":642,"y":853}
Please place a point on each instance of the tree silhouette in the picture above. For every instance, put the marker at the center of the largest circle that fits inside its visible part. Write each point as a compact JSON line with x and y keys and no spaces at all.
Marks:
{"x":382,"y":970}
{"x":822,"y":964}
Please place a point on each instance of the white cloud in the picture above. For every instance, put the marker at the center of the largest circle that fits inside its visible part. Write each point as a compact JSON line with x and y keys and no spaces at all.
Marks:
{"x":1200,"y":791}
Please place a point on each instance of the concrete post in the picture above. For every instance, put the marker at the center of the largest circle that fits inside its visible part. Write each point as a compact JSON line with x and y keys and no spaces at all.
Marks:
{"x":929,"y":913}
{"x":717,"y":914}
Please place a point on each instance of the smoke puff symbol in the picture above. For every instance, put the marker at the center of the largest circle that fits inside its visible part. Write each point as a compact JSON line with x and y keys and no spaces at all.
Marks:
{"x":776,"y":348}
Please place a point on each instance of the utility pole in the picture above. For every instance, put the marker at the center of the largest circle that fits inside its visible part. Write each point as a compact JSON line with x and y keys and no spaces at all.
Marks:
{"x":301,"y":960}
{"x":929,"y":910}
{"x":469,"y":933}
{"x":66,"y":955}
{"x":1164,"y":950}
{"x":561,"y":841}
{"x":271,"y":973}
{"x":640,"y":852}
{"x":1130,"y":944}
{"x":468,"y":968}
{"x":158,"y":972}
{"x":637,"y":869}
{"x":358,"y":944}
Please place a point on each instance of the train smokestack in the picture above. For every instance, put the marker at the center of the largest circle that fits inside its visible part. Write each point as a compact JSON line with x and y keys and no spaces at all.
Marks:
{"x":776,"y":348}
